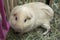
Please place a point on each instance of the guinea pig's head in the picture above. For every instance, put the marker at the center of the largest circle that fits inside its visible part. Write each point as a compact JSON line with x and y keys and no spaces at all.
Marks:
{"x":21,"y":18}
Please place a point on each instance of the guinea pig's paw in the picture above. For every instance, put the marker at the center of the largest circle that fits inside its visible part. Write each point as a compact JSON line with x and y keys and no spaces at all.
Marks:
{"x":47,"y":27}
{"x":46,"y":32}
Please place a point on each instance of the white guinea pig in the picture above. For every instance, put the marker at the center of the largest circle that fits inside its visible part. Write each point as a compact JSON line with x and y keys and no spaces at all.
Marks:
{"x":29,"y":16}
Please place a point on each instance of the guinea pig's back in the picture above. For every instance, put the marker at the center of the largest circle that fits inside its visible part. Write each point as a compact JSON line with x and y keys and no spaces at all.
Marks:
{"x":39,"y":7}
{"x":41,"y":10}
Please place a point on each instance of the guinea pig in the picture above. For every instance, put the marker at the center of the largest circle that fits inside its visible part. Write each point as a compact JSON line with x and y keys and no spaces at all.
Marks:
{"x":26,"y":17}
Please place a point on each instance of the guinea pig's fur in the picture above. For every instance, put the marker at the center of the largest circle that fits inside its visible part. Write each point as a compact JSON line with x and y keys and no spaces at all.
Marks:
{"x":29,"y":16}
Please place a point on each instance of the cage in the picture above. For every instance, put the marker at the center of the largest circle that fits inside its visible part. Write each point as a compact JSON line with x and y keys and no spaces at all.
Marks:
{"x":35,"y":34}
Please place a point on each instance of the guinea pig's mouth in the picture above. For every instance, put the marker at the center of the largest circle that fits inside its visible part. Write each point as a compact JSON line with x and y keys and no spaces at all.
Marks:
{"x":16,"y":32}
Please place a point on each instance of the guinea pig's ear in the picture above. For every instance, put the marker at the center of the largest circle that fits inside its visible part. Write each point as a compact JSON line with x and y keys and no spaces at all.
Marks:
{"x":14,"y":14}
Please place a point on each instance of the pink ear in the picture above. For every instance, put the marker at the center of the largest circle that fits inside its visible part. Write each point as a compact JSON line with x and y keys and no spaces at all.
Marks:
{"x":14,"y":14}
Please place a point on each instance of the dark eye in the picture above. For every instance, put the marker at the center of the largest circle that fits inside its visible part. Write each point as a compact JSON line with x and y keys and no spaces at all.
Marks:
{"x":27,"y":19}
{"x":15,"y":18}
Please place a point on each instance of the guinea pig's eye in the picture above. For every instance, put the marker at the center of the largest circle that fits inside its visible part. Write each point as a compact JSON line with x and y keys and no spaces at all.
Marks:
{"x":15,"y":18}
{"x":27,"y":19}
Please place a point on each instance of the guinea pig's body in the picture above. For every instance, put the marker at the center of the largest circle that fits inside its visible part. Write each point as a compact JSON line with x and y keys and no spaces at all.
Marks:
{"x":29,"y":16}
